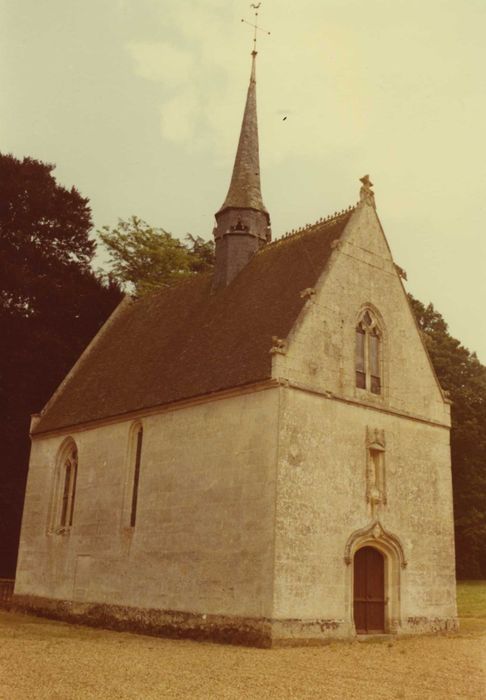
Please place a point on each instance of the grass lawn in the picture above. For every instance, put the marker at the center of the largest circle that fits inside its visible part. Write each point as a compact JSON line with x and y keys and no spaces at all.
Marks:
{"x":471,"y":604}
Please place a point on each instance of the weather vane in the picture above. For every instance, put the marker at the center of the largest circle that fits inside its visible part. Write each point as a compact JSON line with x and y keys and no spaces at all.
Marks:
{"x":255,"y":27}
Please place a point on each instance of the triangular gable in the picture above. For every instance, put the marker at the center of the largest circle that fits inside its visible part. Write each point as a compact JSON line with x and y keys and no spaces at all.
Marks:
{"x":320,"y":349}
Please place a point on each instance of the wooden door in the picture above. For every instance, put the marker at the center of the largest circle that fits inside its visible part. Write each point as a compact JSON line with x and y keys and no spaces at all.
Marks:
{"x":369,"y":591}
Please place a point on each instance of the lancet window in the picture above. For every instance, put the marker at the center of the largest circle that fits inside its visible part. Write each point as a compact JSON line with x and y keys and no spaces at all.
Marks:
{"x":133,"y":476}
{"x":368,"y":353}
{"x":65,"y":489}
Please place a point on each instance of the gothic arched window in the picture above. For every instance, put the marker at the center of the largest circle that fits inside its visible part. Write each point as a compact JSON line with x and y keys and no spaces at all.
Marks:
{"x":368,"y":353}
{"x":65,"y":488}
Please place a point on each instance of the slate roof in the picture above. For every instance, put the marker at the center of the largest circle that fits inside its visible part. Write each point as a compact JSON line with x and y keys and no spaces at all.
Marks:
{"x":186,"y":341}
{"x":245,"y":190}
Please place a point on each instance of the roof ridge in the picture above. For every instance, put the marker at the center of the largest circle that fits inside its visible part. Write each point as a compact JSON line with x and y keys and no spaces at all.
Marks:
{"x":295,"y":232}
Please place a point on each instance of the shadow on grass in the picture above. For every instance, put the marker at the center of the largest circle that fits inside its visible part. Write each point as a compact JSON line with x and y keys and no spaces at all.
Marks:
{"x":471,"y":605}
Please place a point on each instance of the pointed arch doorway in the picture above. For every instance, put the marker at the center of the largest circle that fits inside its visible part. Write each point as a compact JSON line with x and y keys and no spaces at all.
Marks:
{"x":369,"y":591}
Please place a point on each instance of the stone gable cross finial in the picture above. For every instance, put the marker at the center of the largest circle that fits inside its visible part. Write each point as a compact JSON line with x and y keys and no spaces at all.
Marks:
{"x":255,"y":27}
{"x":366,"y":194}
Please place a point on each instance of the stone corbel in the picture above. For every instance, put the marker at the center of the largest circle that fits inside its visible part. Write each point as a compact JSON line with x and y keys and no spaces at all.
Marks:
{"x":308,"y":293}
{"x":375,"y":438}
{"x":279,"y":346}
{"x":401,"y":272}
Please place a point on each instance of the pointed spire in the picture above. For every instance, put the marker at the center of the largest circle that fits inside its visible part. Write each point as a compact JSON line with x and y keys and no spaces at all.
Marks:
{"x":245,"y":190}
{"x":242,"y":223}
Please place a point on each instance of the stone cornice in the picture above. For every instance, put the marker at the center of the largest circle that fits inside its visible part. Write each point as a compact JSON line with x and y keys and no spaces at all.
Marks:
{"x":360,"y":403}
{"x":162,"y":408}
{"x":230,"y":393}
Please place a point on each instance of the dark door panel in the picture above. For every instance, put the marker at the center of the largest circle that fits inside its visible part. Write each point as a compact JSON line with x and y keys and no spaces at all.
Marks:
{"x":369,"y":591}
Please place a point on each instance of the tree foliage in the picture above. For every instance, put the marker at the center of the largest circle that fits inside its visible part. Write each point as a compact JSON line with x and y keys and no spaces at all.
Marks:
{"x":464,"y":378}
{"x":144,"y":258}
{"x":44,"y":231}
{"x":51,"y":305}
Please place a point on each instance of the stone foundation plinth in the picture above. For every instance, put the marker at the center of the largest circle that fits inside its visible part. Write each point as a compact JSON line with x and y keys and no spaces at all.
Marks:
{"x":256,"y":632}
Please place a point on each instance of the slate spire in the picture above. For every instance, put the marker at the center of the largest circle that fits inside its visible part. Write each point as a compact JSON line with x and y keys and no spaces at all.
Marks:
{"x":242,"y":223}
{"x":245,"y":189}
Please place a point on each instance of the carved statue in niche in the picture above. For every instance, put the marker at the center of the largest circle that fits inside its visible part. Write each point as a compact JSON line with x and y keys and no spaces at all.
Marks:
{"x":375,"y":468}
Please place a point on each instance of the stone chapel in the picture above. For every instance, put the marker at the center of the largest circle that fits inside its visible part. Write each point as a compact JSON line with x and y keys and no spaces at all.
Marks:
{"x":259,"y":455}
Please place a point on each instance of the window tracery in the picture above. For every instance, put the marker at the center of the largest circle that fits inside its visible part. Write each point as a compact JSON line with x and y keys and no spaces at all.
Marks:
{"x":368,"y":353}
{"x":62,"y":511}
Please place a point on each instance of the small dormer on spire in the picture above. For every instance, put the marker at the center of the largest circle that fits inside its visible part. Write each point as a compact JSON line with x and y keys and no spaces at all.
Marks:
{"x":242,"y":222}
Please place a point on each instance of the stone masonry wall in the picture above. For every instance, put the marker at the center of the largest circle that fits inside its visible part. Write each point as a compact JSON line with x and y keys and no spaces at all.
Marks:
{"x":322,"y":501}
{"x":203,"y":540}
{"x":324,"y":424}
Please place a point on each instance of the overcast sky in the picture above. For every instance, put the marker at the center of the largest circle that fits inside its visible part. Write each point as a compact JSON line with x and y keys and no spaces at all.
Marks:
{"x":139,"y":104}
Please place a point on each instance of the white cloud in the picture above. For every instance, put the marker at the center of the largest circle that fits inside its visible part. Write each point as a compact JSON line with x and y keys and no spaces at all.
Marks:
{"x":161,"y":62}
{"x":178,"y":117}
{"x":324,"y":95}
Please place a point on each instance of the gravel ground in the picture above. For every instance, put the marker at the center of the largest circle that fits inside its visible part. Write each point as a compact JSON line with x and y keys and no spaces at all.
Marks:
{"x":42,"y":659}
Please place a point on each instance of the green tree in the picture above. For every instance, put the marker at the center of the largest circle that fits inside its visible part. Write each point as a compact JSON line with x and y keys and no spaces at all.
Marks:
{"x":51,"y":305}
{"x":44,"y":230}
{"x":144,"y":258}
{"x":464,"y":378}
{"x":201,"y":252}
